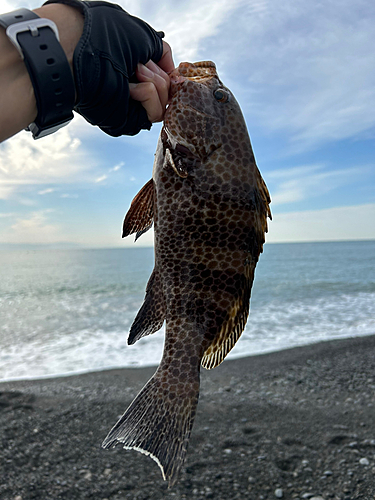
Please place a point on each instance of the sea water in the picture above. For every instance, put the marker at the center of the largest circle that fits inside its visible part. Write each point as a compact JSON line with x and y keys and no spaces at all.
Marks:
{"x":70,"y":311}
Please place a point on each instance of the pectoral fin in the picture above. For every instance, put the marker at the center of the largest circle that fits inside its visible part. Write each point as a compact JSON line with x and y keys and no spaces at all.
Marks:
{"x":141,"y":212}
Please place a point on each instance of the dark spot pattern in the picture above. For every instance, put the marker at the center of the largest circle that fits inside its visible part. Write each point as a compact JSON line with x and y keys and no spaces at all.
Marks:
{"x":210,"y":209}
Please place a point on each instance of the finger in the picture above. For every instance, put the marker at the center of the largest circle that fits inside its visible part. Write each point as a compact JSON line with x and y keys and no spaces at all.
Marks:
{"x":147,"y":94}
{"x":161,"y":81}
{"x":166,"y":62}
{"x":158,"y":71}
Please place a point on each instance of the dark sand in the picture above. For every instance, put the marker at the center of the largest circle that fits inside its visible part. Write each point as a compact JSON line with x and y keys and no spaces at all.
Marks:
{"x":295,"y":424}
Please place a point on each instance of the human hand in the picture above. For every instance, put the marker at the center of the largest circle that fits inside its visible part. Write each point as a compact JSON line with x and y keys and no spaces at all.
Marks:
{"x":153,"y":90}
{"x":104,"y":46}
{"x":105,"y":62}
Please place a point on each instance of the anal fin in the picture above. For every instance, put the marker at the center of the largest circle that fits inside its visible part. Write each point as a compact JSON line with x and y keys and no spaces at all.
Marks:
{"x":140,"y":215}
{"x":151,"y":315}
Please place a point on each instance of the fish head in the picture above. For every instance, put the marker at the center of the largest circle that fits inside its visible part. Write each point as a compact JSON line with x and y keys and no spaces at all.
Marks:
{"x":200,"y":107}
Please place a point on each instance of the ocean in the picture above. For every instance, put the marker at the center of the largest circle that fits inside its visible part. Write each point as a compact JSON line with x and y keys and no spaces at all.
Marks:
{"x":69,"y":311}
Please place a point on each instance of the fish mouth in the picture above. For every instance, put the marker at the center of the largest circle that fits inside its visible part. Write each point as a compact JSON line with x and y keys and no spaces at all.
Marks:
{"x":192,"y":71}
{"x":196,"y":72}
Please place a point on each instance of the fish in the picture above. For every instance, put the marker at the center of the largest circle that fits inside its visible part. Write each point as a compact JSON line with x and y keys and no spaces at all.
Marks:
{"x":209,"y":206}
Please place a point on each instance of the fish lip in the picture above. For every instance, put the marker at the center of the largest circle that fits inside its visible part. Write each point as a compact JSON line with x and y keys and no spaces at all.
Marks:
{"x":177,"y":77}
{"x":208,"y":69}
{"x":209,"y":66}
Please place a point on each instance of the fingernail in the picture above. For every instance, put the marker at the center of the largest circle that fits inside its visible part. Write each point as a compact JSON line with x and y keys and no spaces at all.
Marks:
{"x":154,"y":67}
{"x":145,"y":71}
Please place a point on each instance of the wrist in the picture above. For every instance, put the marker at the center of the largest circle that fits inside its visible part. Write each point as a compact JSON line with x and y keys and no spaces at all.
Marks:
{"x":69,"y":22}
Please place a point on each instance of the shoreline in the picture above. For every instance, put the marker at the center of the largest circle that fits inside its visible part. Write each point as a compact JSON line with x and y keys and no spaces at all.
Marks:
{"x":299,"y":422}
{"x":310,"y":346}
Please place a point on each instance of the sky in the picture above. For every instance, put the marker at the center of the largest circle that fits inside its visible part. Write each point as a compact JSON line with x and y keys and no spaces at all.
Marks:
{"x":304,"y":75}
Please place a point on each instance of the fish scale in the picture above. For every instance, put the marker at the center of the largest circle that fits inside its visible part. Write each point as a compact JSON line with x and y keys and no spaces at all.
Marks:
{"x":209,"y":206}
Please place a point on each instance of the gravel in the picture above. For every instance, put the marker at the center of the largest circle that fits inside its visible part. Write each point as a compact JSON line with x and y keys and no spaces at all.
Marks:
{"x":296,"y":424}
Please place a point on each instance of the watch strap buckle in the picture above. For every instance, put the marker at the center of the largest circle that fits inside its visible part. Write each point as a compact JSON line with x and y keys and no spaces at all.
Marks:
{"x":33,"y":25}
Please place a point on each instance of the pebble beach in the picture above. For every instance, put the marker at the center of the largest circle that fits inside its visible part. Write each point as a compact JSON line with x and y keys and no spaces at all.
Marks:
{"x":293,"y":424}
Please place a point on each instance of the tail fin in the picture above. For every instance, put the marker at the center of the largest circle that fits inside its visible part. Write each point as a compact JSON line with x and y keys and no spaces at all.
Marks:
{"x":158,"y":422}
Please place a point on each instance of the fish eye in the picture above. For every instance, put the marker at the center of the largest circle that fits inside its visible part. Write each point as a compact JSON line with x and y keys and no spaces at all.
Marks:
{"x":221,"y":95}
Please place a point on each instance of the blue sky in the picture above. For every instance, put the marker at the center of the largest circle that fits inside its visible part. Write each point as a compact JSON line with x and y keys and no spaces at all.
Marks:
{"x":304,"y":75}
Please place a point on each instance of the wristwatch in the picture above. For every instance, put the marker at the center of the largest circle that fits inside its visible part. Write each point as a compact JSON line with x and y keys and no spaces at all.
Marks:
{"x":37,"y":41}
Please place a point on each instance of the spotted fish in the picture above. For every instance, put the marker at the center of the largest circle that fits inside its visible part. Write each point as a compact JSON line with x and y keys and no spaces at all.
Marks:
{"x":209,"y":206}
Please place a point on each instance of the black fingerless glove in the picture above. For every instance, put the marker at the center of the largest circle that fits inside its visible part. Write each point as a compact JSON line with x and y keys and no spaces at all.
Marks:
{"x":112,"y":44}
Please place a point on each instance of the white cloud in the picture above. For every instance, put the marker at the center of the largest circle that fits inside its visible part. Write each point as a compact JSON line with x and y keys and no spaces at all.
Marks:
{"x":117,"y":167}
{"x":101,"y":178}
{"x":68,"y":195}
{"x":46,"y":191}
{"x":303,"y":69}
{"x":301,"y":183}
{"x":27,"y":202}
{"x":187,"y":24}
{"x":56,"y":158}
{"x":6,"y":192}
{"x":7,"y":6}
{"x":341,"y":223}
{"x":35,"y":228}
{"x":104,"y":177}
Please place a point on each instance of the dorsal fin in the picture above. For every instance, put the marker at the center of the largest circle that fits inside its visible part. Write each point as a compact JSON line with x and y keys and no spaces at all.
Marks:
{"x":141,"y":212}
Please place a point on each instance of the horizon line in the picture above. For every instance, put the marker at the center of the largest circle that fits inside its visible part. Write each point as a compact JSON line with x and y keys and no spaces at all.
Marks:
{"x":78,"y":246}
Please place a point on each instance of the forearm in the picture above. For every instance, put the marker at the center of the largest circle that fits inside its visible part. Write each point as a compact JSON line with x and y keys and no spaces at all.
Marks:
{"x":17,"y":100}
